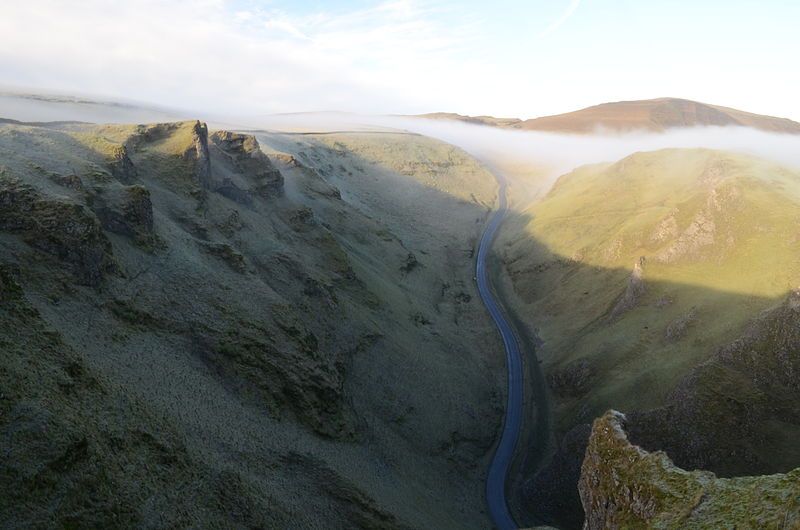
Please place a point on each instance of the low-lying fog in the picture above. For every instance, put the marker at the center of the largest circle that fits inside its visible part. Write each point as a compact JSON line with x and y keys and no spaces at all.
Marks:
{"x":551,"y":153}
{"x":562,"y":152}
{"x":43,"y":108}
{"x":554,"y":153}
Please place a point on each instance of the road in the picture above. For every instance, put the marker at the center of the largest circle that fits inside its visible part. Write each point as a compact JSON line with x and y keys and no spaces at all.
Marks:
{"x":498,"y":469}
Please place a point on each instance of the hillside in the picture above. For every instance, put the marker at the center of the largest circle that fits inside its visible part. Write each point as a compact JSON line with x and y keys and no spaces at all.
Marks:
{"x":197,"y":333}
{"x":475,"y":120}
{"x":655,"y":115}
{"x":648,"y":282}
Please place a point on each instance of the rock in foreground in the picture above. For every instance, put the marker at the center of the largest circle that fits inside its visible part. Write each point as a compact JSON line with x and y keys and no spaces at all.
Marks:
{"x":623,"y":486}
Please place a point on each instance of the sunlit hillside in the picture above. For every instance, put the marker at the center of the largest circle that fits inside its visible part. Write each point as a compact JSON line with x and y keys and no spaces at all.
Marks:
{"x":617,"y":257}
{"x":656,"y":115}
{"x":634,"y":274}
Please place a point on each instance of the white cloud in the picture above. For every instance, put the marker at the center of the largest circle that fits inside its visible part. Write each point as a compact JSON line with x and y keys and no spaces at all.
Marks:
{"x":206,"y":54}
{"x":402,"y":56}
{"x":573,"y":6}
{"x":552,"y":153}
{"x":557,"y":154}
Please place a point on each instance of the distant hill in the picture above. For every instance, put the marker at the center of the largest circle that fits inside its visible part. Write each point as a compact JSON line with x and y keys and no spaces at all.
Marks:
{"x":476,"y":120}
{"x":652,"y":115}
{"x":656,"y":115}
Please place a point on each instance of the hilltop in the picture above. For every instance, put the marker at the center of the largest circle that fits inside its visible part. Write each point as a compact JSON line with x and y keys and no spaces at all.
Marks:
{"x":645,"y":115}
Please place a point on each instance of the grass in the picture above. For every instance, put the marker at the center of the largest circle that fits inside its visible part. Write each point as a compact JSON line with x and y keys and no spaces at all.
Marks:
{"x":571,"y":253}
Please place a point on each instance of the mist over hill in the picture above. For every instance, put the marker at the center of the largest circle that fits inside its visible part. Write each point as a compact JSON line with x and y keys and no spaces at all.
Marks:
{"x":625,"y":116}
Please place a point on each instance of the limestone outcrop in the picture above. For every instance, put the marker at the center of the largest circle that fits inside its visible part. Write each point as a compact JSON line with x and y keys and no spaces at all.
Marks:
{"x":624,"y":486}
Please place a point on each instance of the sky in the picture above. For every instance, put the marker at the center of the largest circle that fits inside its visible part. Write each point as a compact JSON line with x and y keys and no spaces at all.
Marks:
{"x":520,"y":58}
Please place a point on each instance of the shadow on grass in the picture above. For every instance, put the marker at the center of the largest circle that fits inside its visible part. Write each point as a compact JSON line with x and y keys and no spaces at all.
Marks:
{"x":710,"y":377}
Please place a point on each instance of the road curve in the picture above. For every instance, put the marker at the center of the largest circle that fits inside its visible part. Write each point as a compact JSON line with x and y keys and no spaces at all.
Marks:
{"x":498,"y":469}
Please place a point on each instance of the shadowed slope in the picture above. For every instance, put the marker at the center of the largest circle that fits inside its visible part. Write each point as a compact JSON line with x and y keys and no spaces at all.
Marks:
{"x":310,"y":364}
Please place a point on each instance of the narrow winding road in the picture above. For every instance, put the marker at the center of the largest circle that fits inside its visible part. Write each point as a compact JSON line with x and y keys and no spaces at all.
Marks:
{"x":498,"y":470}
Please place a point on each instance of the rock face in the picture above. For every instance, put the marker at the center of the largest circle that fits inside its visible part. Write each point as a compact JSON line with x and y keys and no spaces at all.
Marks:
{"x":573,"y":379}
{"x":122,"y":167}
{"x":633,"y":290}
{"x":247,"y":158}
{"x":179,"y":150}
{"x":197,"y":155}
{"x":241,"y":171}
{"x":63,"y":229}
{"x":127,"y":211}
{"x":676,"y":329}
{"x":230,"y":164}
{"x":623,"y":486}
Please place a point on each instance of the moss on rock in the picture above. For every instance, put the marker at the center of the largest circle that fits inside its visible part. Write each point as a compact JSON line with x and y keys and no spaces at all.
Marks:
{"x":624,"y":486}
{"x":63,"y":229}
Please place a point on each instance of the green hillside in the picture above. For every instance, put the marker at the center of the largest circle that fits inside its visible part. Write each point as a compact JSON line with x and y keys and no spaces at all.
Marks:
{"x":633,"y":275}
{"x":704,"y":228}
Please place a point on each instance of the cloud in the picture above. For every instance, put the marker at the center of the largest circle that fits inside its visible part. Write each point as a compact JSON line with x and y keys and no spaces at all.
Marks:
{"x":563,"y":152}
{"x":573,"y":6}
{"x":400,"y":56}
{"x":549,"y":155}
{"x":556,"y":154}
{"x":219,"y":54}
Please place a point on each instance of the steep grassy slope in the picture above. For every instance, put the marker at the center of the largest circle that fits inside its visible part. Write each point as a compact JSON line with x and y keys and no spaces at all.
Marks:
{"x":694,"y":228}
{"x":633,"y":275}
{"x":739,"y":411}
{"x":264,"y":334}
{"x":623,"y":486}
{"x":411,"y":183}
{"x":80,"y":451}
{"x":430,"y":200}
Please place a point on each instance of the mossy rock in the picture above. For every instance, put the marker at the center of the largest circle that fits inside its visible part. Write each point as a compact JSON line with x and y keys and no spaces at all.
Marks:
{"x":624,"y":486}
{"x":57,"y":227}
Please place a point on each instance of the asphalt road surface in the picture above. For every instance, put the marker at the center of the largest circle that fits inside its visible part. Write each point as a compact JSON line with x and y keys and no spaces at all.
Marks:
{"x":498,"y":470}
